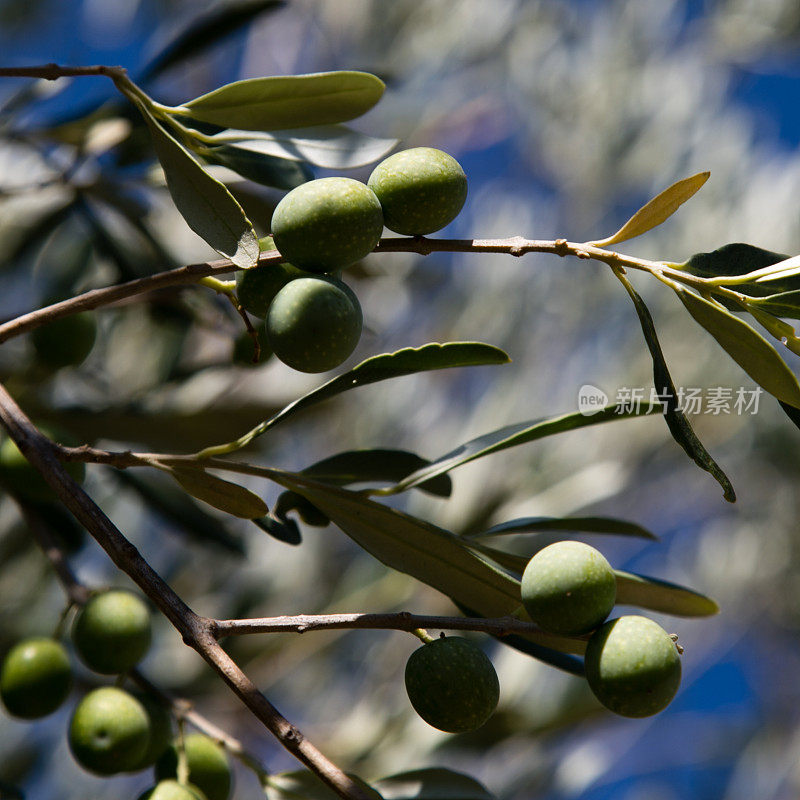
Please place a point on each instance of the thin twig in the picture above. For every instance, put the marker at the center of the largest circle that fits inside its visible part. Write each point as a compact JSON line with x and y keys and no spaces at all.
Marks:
{"x":195,"y":630}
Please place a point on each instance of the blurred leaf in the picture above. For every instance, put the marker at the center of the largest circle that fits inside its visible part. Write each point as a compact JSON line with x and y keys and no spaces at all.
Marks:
{"x":660,"y":208}
{"x":180,"y":510}
{"x":291,"y":501}
{"x":304,"y":785}
{"x":293,"y":101}
{"x":224,"y":495}
{"x":582,"y":524}
{"x":512,"y":436}
{"x":677,"y":422}
{"x":207,"y":206}
{"x":782,"y":304}
{"x":285,"y":530}
{"x":658,"y":595}
{"x":433,"y":783}
{"x":420,"y":549}
{"x":791,"y":412}
{"x":9,"y":792}
{"x":206,"y":29}
{"x":358,"y":466}
{"x":263,"y":169}
{"x":408,"y":361}
{"x":42,"y":224}
{"x":330,"y":146}
{"x":751,"y":351}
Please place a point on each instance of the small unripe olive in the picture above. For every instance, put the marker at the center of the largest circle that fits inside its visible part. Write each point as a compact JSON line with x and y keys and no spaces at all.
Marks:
{"x":420,"y":190}
{"x":172,"y":790}
{"x":209,"y":768}
{"x":568,"y":588}
{"x":256,"y":287}
{"x":65,"y":342}
{"x":112,"y":632}
{"x":452,"y":684}
{"x":326,"y":224}
{"x":35,"y":678}
{"x":109,"y":731}
{"x":314,"y":324}
{"x":633,"y":666}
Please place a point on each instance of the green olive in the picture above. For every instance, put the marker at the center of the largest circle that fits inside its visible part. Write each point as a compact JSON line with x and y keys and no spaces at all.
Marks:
{"x":209,"y":768}
{"x":35,"y":678}
{"x":65,"y":342}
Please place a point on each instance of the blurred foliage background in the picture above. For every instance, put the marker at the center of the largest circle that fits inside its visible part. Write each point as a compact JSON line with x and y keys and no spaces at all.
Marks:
{"x":566,"y":117}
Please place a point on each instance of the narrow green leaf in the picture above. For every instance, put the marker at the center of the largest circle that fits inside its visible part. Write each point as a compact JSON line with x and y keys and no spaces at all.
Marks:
{"x":658,"y":595}
{"x":360,"y":466}
{"x":208,"y":207}
{"x":293,"y":101}
{"x":408,"y":361}
{"x":291,"y":501}
{"x":660,"y":208}
{"x":781,"y":304}
{"x":511,"y":436}
{"x":781,"y":330}
{"x":422,"y":550}
{"x":284,"y":530}
{"x":262,"y":169}
{"x":513,"y":562}
{"x":224,"y":495}
{"x":583,"y":524}
{"x":737,"y":260}
{"x":433,"y":783}
{"x":751,"y":351}
{"x":677,"y":422}
{"x":329,"y":146}
{"x":304,"y":785}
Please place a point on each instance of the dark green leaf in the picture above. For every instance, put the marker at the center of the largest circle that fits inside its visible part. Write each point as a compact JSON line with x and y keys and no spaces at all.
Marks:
{"x":304,"y":785}
{"x":292,"y":101}
{"x":285,"y":530}
{"x":329,"y":146}
{"x":291,"y":501}
{"x":658,"y":595}
{"x":361,"y":466}
{"x":513,"y":562}
{"x":677,"y":422}
{"x":180,"y":510}
{"x":751,"y":351}
{"x":433,"y":783}
{"x":584,"y":524}
{"x":205,"y":30}
{"x":408,"y":361}
{"x":208,"y":207}
{"x":266,"y":170}
{"x":420,"y":549}
{"x":733,"y":259}
{"x":657,"y":210}
{"x":224,"y":495}
{"x":512,"y":436}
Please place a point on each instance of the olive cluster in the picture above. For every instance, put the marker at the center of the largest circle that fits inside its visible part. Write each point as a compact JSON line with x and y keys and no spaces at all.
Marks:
{"x":312,"y":319}
{"x":111,"y":730}
{"x":568,"y":588}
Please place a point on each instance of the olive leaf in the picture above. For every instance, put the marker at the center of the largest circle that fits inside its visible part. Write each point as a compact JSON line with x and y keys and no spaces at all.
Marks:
{"x":431,"y":783}
{"x":737,"y":260}
{"x":292,"y":101}
{"x":677,"y":422}
{"x":304,"y":785}
{"x":781,"y":330}
{"x":219,"y":493}
{"x":658,"y":595}
{"x":208,"y":207}
{"x":284,"y":530}
{"x":660,"y":208}
{"x":329,"y":146}
{"x":582,"y":524}
{"x":259,"y":168}
{"x":510,"y":436}
{"x":407,"y":361}
{"x":781,"y":304}
{"x":751,"y":351}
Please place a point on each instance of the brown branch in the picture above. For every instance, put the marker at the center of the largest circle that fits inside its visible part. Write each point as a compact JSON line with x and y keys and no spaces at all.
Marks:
{"x":51,"y":72}
{"x":195,"y":630}
{"x":402,"y":621}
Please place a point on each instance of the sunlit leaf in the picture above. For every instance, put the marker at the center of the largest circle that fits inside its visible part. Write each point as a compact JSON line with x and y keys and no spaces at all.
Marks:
{"x":663,"y":596}
{"x":782,"y":331}
{"x":208,"y":207}
{"x":329,"y":146}
{"x":581,"y":524}
{"x":304,"y":785}
{"x":219,"y":493}
{"x":751,"y":351}
{"x":408,"y":361}
{"x":292,"y":101}
{"x":677,"y":422}
{"x":781,"y":304}
{"x":736,"y":259}
{"x":359,"y":466}
{"x":660,"y":208}
{"x":512,"y":436}
{"x":433,"y":783}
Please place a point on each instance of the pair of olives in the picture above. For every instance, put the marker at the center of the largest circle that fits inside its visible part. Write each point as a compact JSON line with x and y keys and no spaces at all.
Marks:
{"x":313,"y":320}
{"x":632,"y":664}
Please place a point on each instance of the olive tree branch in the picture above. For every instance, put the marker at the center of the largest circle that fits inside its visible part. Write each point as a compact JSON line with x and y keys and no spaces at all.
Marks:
{"x":197,"y":631}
